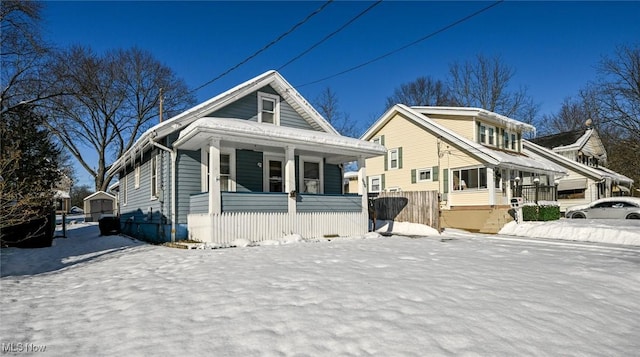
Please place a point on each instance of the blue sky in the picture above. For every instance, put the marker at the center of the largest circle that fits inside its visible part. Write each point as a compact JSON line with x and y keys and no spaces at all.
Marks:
{"x":553,"y":46}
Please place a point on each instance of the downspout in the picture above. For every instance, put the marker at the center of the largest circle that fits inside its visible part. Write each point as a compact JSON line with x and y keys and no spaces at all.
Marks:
{"x":174,"y":156}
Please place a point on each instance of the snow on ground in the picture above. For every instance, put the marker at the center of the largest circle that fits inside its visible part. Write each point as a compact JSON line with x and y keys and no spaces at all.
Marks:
{"x":452,"y":294}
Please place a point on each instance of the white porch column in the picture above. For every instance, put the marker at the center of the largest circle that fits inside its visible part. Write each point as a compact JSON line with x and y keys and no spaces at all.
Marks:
{"x":214,"y":177}
{"x":492,"y":186}
{"x":290,"y":177}
{"x":362,"y":183}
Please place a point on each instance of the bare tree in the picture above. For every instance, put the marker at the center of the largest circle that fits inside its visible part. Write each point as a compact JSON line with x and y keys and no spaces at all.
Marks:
{"x":574,"y":113}
{"x":485,"y":83}
{"x":329,"y":108}
{"x":424,"y":91}
{"x":23,"y":55}
{"x":114,"y":98}
{"x":619,"y":93}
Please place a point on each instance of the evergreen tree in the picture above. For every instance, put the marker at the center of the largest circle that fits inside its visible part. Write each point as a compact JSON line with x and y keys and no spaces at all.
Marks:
{"x":29,"y":167}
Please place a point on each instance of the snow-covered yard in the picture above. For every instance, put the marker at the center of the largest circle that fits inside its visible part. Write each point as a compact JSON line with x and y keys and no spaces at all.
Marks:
{"x":451,"y":294}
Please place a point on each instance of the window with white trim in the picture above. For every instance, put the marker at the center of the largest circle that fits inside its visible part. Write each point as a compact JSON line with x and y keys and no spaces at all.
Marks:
{"x":471,"y":178}
{"x":491,"y":135}
{"x":154,"y":176}
{"x":311,"y":175}
{"x":394,"y":158}
{"x":227,"y":171}
{"x":487,"y":135}
{"x":124,"y":190}
{"x":268,"y":108}
{"x":375,"y":183}
{"x":423,"y":175}
{"x":483,"y":133}
{"x":136,"y":176}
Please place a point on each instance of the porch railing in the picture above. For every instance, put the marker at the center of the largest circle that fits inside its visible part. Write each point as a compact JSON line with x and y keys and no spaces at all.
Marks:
{"x":536,"y":193}
{"x":277,"y":202}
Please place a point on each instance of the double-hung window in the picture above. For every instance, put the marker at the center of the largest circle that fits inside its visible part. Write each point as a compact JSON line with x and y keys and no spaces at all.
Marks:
{"x":268,"y":108}
{"x":154,"y":176}
{"x":311,"y":177}
{"x":394,"y":158}
{"x":375,"y":183}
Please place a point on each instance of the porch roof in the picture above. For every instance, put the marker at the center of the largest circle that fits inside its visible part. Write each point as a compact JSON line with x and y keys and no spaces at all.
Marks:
{"x":247,"y":134}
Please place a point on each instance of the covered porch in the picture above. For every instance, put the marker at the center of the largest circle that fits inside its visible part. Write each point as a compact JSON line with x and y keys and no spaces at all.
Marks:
{"x":263,"y":182}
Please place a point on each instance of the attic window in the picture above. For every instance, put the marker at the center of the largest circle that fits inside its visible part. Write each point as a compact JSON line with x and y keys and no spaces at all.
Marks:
{"x":268,"y":108}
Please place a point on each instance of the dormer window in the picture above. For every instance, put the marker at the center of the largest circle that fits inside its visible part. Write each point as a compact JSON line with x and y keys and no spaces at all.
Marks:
{"x":268,"y":108}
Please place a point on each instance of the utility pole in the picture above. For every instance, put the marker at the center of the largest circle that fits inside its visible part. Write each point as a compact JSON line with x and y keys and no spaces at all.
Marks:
{"x":161,"y":103}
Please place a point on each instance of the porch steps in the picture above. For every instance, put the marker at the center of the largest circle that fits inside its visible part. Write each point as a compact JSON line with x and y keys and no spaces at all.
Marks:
{"x":498,"y":217}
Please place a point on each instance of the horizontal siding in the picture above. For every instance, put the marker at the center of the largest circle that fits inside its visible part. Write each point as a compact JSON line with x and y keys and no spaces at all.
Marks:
{"x":329,"y":203}
{"x":248,"y":202}
{"x":243,"y":108}
{"x":199,"y":203}
{"x":188,"y":181}
{"x":139,"y":201}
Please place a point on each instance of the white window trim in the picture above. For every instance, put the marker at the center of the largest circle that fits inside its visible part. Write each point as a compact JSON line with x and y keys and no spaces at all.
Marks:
{"x":125,"y":194}
{"x":389,"y":153}
{"x":204,"y":168}
{"x":265,"y":169}
{"x":154,"y":161}
{"x":430,"y":170}
{"x":302,"y":160}
{"x":472,"y":189}
{"x":486,"y":129}
{"x":136,"y":176}
{"x":371,"y":178}
{"x":276,"y":106}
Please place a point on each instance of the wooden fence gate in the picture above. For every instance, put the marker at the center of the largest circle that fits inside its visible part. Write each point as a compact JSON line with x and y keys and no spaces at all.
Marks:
{"x":412,"y":206}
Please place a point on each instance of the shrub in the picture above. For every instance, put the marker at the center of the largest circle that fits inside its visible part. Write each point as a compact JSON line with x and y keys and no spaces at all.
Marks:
{"x":540,"y":213}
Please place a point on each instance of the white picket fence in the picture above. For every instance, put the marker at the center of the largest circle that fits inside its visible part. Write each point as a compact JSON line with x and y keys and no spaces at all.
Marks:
{"x":226,"y":227}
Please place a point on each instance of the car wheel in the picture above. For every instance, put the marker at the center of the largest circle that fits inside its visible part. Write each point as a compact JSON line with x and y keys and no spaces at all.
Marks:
{"x":633,"y":216}
{"x":578,"y":215}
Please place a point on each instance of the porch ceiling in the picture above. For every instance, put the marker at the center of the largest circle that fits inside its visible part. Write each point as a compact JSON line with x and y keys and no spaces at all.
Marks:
{"x":244,"y":134}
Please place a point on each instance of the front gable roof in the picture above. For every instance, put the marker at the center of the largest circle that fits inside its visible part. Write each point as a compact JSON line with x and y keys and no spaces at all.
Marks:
{"x":182,"y":120}
{"x":595,"y":173}
{"x":479,"y":151}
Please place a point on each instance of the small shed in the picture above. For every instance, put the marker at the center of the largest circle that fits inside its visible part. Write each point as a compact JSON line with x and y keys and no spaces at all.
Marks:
{"x":98,"y":204}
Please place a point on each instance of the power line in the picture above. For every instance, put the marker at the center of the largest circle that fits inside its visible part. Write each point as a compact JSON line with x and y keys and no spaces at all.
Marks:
{"x":318,"y":10}
{"x":455,"y":23}
{"x":331,"y":34}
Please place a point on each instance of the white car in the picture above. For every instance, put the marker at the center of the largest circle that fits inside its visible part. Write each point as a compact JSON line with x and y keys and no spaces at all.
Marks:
{"x":607,"y":208}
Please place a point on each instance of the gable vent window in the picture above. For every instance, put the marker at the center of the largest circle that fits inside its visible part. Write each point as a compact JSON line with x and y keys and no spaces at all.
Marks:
{"x":268,"y":108}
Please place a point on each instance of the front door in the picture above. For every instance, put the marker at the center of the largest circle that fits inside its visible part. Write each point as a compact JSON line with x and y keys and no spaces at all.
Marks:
{"x":274,"y":178}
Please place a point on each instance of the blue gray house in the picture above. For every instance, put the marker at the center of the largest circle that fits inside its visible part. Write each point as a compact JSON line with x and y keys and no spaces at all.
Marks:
{"x":256,"y":162}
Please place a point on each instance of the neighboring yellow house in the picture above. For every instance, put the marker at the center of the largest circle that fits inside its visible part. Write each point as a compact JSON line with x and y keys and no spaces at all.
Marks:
{"x":471,"y":156}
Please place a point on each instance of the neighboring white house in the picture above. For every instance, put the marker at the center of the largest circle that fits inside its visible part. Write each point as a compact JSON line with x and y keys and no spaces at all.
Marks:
{"x":584,"y":157}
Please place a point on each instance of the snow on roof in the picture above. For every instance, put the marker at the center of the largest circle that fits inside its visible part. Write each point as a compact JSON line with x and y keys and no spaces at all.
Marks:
{"x":271,"y":77}
{"x":61,"y":194}
{"x":595,"y":172}
{"x":487,"y":115}
{"x":350,"y":174}
{"x":484,"y":153}
{"x":237,"y":130}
